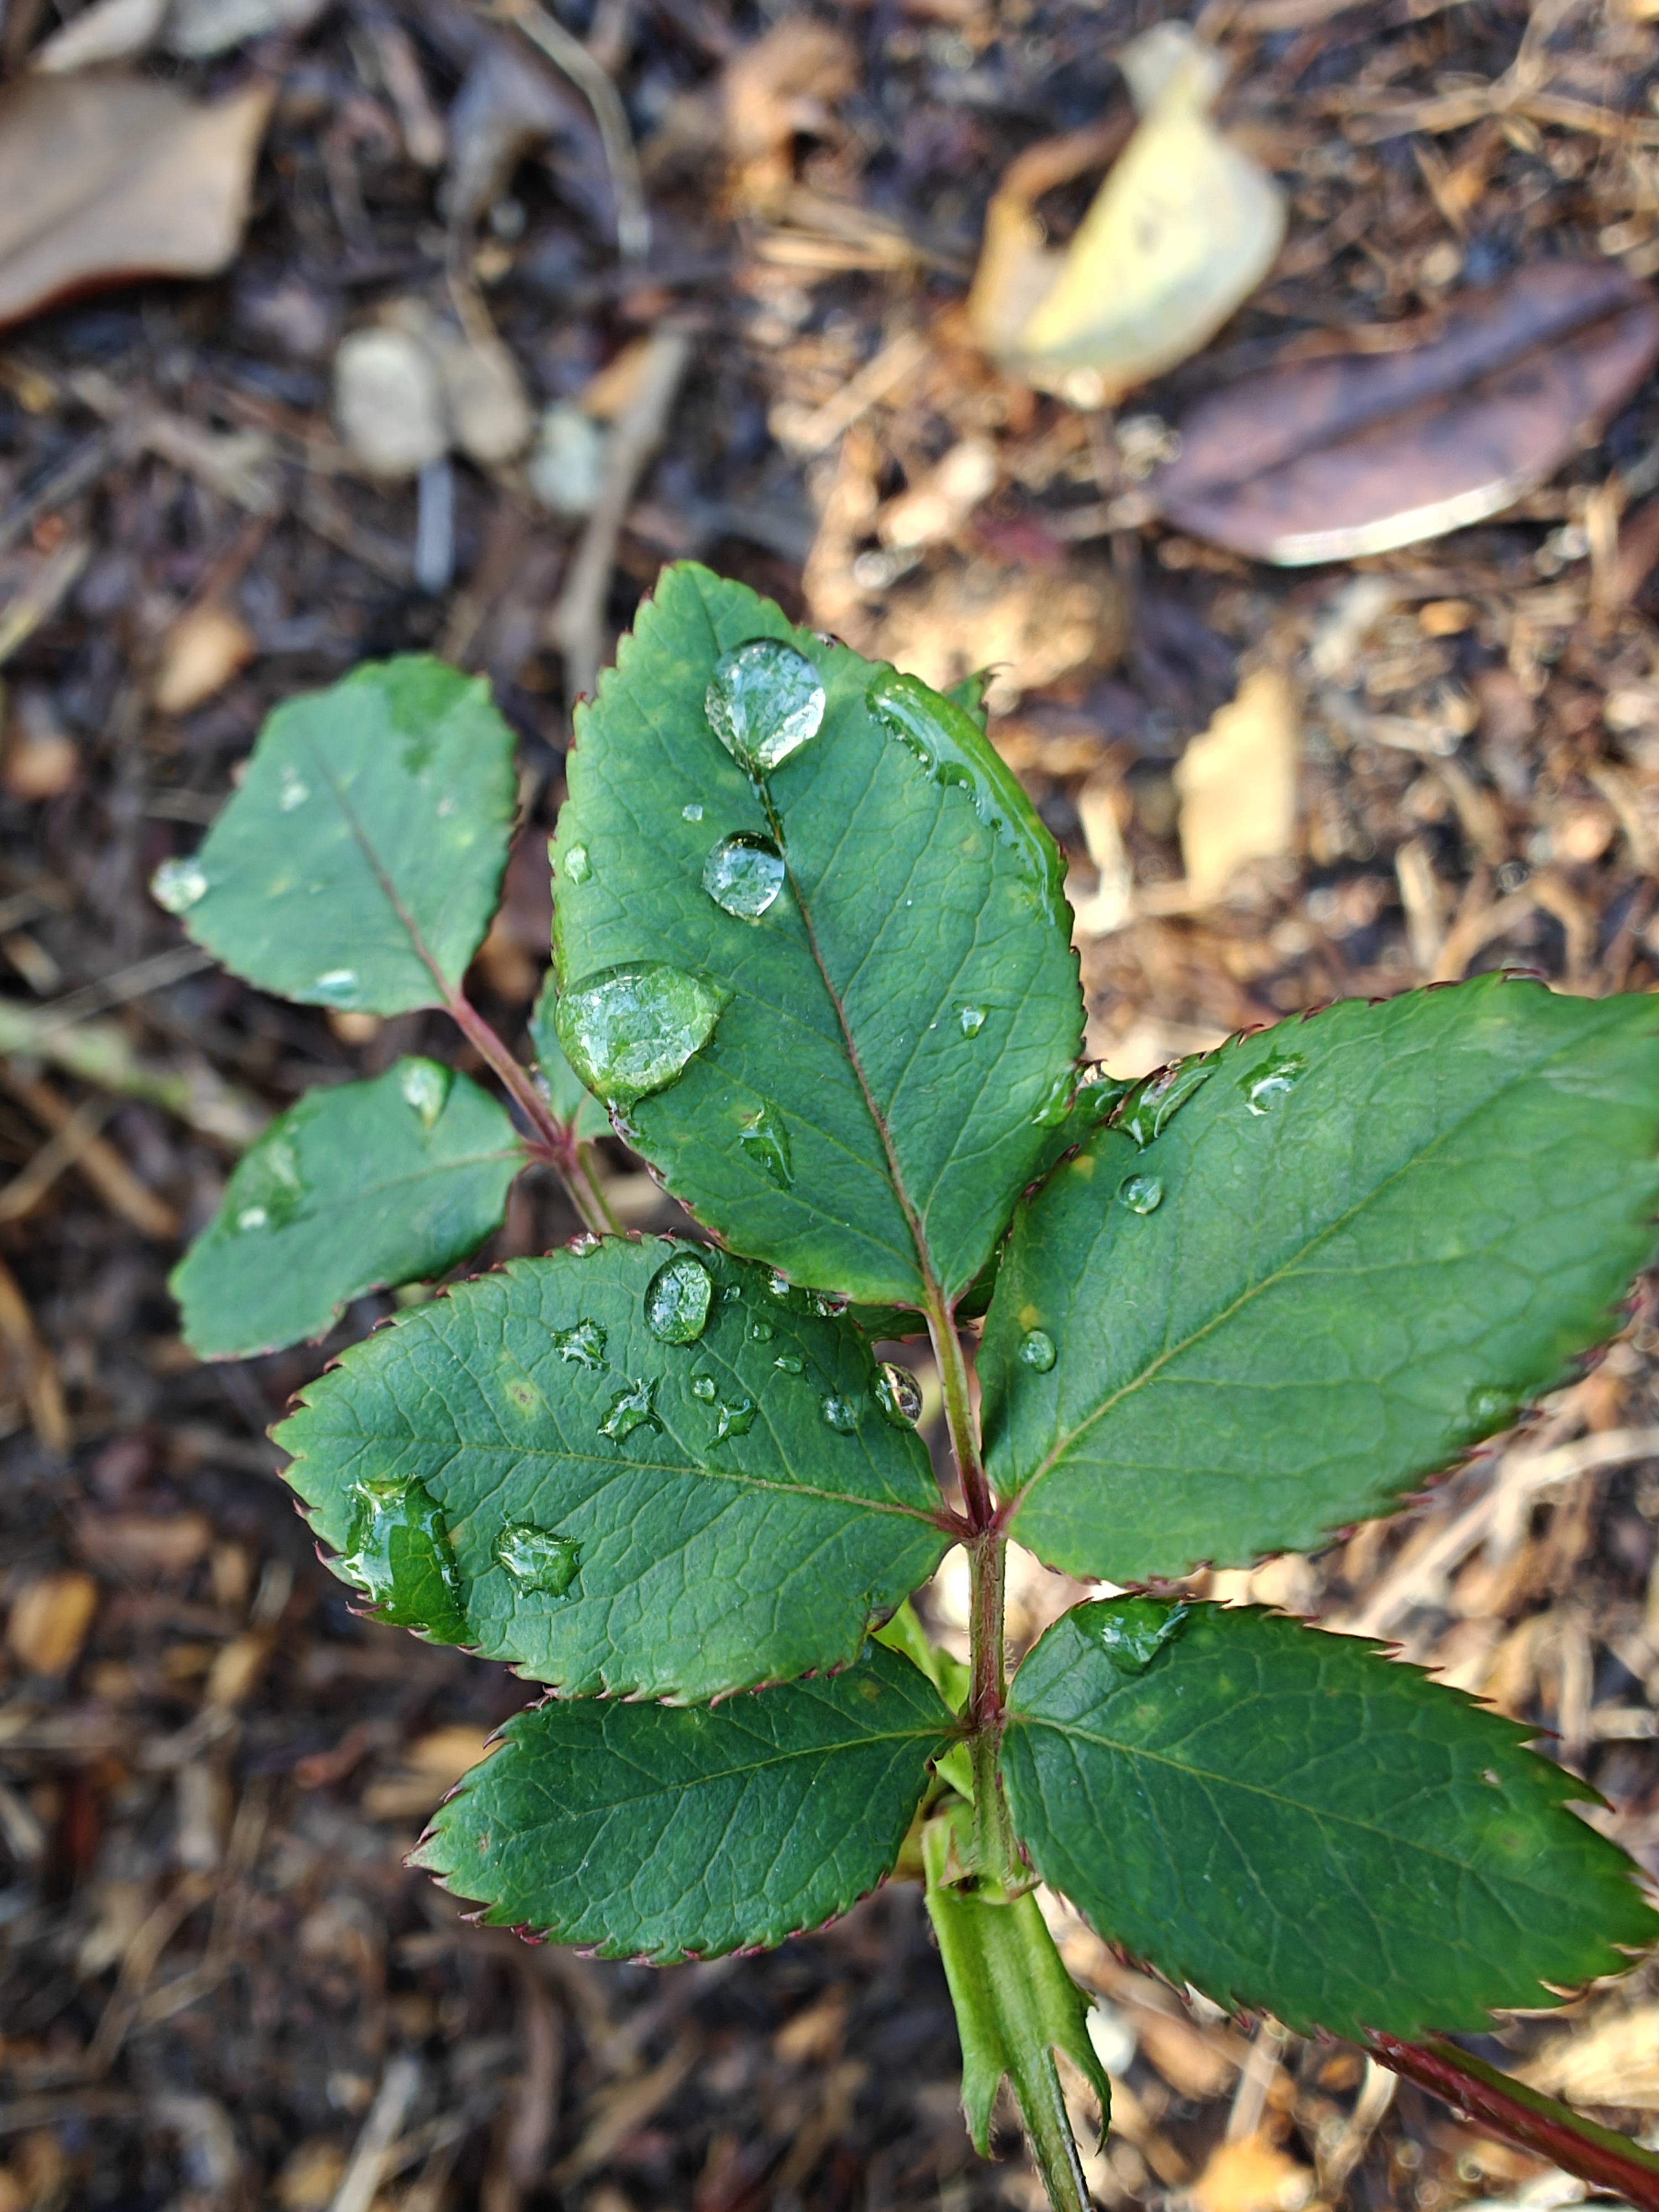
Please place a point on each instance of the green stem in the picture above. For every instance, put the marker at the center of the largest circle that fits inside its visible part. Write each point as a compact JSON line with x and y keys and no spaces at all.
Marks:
{"x":549,"y":1139}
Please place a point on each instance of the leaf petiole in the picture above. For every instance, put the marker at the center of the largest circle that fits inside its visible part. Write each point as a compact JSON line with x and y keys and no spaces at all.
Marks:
{"x":551,"y":1140}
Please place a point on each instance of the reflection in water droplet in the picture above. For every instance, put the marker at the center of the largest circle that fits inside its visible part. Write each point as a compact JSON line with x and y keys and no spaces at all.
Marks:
{"x":177,"y":885}
{"x":1132,"y":1630}
{"x":899,"y":1395}
{"x":630,"y":1409}
{"x":425,"y":1085}
{"x":676,"y":1300}
{"x":1273,"y":1081}
{"x":537,"y":1561}
{"x":1152,"y":1105}
{"x":253,"y":1217}
{"x":400,"y":1557}
{"x":1142,"y":1193}
{"x":765,"y":702}
{"x":826,"y":1303}
{"x":1036,"y":1349}
{"x":841,"y":1414}
{"x":631,"y":1030}
{"x":583,"y":1346}
{"x":790,"y":1362}
{"x":576,"y":863}
{"x":704,"y":1387}
{"x":583,"y":1242}
{"x":692,"y":813}
{"x":761,"y":1332}
{"x":972,"y":1019}
{"x":765,"y":1138}
{"x":293,"y":791}
{"x":735,"y":1420}
{"x":1490,"y":1409}
{"x":779,"y":1285}
{"x":337,"y":986}
{"x":744,"y":875}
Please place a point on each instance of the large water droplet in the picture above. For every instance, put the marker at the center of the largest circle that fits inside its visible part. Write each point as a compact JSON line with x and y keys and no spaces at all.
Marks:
{"x":971,"y":1019}
{"x":269,"y":1190}
{"x":401,"y":1558}
{"x":630,"y":1409}
{"x":735,"y":1420}
{"x":1132,"y":1631}
{"x":1153,"y":1104}
{"x":676,"y":1300}
{"x":292,"y":788}
{"x":1142,"y":1193}
{"x":425,"y":1085}
{"x":1036,"y":1350}
{"x":177,"y":885}
{"x":761,"y":1332}
{"x":631,"y":1030}
{"x":841,"y":1414}
{"x":790,"y":1362}
{"x":704,"y":1387}
{"x":1271,"y":1084}
{"x":582,"y":1345}
{"x":576,"y":863}
{"x":538,"y":1561}
{"x":337,"y":986}
{"x":766,"y":700}
{"x":765,"y":1138}
{"x":744,"y":875}
{"x":899,"y":1395}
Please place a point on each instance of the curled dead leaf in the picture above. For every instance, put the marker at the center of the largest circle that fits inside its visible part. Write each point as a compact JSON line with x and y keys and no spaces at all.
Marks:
{"x":1237,"y":784}
{"x":204,"y":648}
{"x":49,"y":1620}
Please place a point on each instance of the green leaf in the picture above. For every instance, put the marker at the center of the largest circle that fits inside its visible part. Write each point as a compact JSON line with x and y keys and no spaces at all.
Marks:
{"x":970,"y":695}
{"x":1016,"y":2005}
{"x":659,"y":1833}
{"x":360,"y":862}
{"x":1288,"y":1820}
{"x":574,"y":1104}
{"x":671,"y":1511}
{"x":834,"y":998}
{"x":359,"y":1186}
{"x":1349,"y":1247}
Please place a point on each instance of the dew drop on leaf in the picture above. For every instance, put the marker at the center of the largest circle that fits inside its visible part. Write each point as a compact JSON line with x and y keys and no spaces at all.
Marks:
{"x":253,"y":1217}
{"x":177,"y":885}
{"x":735,"y":1420}
{"x":1142,"y":1193}
{"x":972,"y":1019}
{"x":631,"y":1030}
{"x":1036,"y":1350}
{"x":676,"y":1300}
{"x":692,"y":813}
{"x":425,"y":1085}
{"x":269,"y":1188}
{"x":765,"y":702}
{"x":576,"y":863}
{"x":582,"y":1345}
{"x":704,"y":1387}
{"x":630,"y":1409}
{"x":1133,"y":1631}
{"x":766,"y":1140}
{"x":1273,"y":1081}
{"x":839,"y":1414}
{"x":744,"y":875}
{"x":582,"y":1243}
{"x":898,"y":1394}
{"x":537,"y":1561}
{"x":780,"y":1285}
{"x":1152,"y":1105}
{"x":790,"y":1362}
{"x":400,"y":1557}
{"x":337,"y":986}
{"x":1490,"y":1409}
{"x":761,"y":1332}
{"x":293,"y":790}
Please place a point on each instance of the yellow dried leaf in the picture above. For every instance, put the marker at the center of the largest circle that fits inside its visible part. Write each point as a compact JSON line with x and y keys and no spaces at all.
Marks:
{"x":1251,"y":2175}
{"x":50,"y":1619}
{"x":1238,"y":784}
{"x":205,"y":647}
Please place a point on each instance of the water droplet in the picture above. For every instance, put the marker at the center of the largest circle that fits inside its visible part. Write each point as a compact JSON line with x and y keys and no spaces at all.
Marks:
{"x":972,"y":1019}
{"x":761,"y":1332}
{"x":1490,"y":1409}
{"x":790,"y":1362}
{"x":268,"y":1189}
{"x":840,"y":1414}
{"x":400,"y":1556}
{"x":735,"y":1420}
{"x":583,"y":1242}
{"x":177,"y":885}
{"x":1132,"y":1631}
{"x":766,"y":1140}
{"x":576,"y":865}
{"x":779,"y":1285}
{"x":704,"y":1387}
{"x":1273,"y":1081}
{"x":583,"y":1346}
{"x":899,"y":1395}
{"x":1098,"y":1093}
{"x":744,"y":875}
{"x":292,"y":789}
{"x":765,"y":702}
{"x":826,"y":1304}
{"x":425,"y":1085}
{"x":630,"y":1409}
{"x":676,"y":1300}
{"x":1036,"y":1350}
{"x":1152,"y":1104}
{"x":631,"y":1030}
{"x":337,"y":986}
{"x":1142,"y":1193}
{"x":692,"y":813}
{"x":253,"y":1217}
{"x":537,"y":1561}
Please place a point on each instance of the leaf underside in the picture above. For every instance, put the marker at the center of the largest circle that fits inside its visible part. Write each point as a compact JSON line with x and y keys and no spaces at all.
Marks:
{"x":904,"y":1011}
{"x":1379,"y":1230}
{"x":366,"y":1184}
{"x":665,"y":1834}
{"x":1288,"y":1820}
{"x":704,"y":1563}
{"x":358,"y":864}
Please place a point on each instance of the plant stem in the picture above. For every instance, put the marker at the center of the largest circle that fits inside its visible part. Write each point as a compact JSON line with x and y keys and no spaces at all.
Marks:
{"x":549,"y":1139}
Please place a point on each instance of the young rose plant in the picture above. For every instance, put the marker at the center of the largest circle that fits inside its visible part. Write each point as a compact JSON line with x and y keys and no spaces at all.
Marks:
{"x":811,"y":952}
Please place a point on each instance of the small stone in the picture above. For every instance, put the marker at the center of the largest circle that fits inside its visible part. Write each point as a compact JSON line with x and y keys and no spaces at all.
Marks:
{"x":388,"y":402}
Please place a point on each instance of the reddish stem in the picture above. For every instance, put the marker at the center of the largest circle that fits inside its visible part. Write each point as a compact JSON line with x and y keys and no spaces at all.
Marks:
{"x":550,"y":1140}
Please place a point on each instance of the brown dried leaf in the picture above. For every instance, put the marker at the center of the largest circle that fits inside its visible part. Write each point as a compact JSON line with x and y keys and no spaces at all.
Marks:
{"x":105,"y":177}
{"x":1251,"y":2175}
{"x":145,"y":1547}
{"x":204,"y":649}
{"x":49,"y":1621}
{"x":1358,"y":453}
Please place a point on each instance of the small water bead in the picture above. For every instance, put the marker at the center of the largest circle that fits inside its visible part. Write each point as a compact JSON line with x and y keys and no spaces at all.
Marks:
{"x":765,"y":702}
{"x":536,"y":1560}
{"x":268,"y":1189}
{"x":630,"y":1409}
{"x":790,"y":1362}
{"x":425,"y":1085}
{"x":1273,"y":1082}
{"x":1152,"y":1105}
{"x":576,"y":863}
{"x":765,"y":1139}
{"x":735,"y":1420}
{"x":840,"y":1414}
{"x":744,"y":875}
{"x":582,"y":1345}
{"x":583,"y":1242}
{"x":337,"y":986}
{"x":692,"y":813}
{"x":292,"y":790}
{"x":676,"y":1300}
{"x":704,"y":1387}
{"x":761,"y":1332}
{"x":631,"y":1030}
{"x":1492,"y":1409}
{"x":898,"y":1394}
{"x":400,"y":1556}
{"x":1142,"y":1193}
{"x":1132,"y":1631}
{"x":177,"y":885}
{"x":972,"y":1019}
{"x":779,"y":1285}
{"x":1036,"y":1350}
